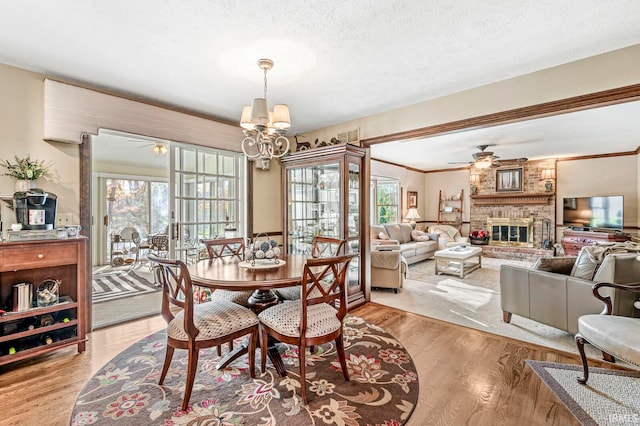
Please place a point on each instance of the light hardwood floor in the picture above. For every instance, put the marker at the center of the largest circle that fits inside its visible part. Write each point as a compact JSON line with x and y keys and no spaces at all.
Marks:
{"x":467,"y":377}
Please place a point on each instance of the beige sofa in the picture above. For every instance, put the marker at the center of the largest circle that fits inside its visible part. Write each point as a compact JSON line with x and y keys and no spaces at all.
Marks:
{"x":413,"y":251}
{"x":557,"y":291}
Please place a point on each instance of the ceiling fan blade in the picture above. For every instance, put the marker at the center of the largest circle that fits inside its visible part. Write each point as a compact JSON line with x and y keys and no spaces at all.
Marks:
{"x":514,"y":160}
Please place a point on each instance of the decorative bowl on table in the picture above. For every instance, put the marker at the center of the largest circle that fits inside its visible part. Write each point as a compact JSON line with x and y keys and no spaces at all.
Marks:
{"x":479,"y":241}
{"x":262,"y":250}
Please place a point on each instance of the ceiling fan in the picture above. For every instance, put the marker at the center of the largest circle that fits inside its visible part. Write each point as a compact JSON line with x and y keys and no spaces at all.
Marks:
{"x":484,"y":159}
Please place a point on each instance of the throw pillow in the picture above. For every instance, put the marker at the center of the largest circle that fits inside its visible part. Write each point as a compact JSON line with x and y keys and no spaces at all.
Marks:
{"x":558,"y":265}
{"x":585,"y":266}
{"x":383,"y":236}
{"x":395,"y":232}
{"x":419,"y":236}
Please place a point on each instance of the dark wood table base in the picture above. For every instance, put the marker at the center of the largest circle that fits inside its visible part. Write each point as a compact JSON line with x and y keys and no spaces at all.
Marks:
{"x":259,"y":300}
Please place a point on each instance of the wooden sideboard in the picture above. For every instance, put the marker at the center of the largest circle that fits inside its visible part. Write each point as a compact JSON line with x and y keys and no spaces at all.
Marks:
{"x":40,"y":329}
{"x":572,"y":241}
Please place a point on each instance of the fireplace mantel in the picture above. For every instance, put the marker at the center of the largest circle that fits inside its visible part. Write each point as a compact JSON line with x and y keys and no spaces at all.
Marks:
{"x":512,"y":199}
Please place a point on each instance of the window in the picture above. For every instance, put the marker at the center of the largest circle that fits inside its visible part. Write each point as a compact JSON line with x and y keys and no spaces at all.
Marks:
{"x":385,"y":199}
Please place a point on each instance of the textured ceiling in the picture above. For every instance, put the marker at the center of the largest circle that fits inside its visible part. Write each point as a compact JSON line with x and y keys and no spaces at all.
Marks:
{"x":335,"y":60}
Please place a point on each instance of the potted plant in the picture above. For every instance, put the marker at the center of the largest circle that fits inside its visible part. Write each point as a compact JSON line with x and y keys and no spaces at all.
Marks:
{"x":26,"y":171}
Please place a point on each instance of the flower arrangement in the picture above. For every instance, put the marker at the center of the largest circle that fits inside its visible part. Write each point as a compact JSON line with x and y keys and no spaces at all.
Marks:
{"x":25,"y":168}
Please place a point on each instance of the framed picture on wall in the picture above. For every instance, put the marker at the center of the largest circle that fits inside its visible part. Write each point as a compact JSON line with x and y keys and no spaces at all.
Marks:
{"x":509,"y":180}
{"x":412,"y":200}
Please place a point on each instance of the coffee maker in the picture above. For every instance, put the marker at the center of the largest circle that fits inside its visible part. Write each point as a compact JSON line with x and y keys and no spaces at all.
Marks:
{"x":35,"y":209}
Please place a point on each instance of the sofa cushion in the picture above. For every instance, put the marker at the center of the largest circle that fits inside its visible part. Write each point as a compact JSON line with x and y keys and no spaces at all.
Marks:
{"x":560,"y":265}
{"x":425,"y":247}
{"x":399,"y":231}
{"x":383,"y":235}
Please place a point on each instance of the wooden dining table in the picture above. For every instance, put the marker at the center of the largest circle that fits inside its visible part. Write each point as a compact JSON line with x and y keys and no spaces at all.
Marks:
{"x":227,"y":273}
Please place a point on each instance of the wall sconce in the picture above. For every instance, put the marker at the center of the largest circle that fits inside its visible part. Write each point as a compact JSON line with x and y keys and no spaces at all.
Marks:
{"x":412,"y":215}
{"x":548,"y":175}
{"x":474,"y":180}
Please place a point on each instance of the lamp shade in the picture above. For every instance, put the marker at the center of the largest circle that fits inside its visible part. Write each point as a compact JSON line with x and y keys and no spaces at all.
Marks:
{"x":245,"y":119}
{"x":281,"y":118}
{"x":260,"y":112}
{"x":548,"y":174}
{"x":474,"y":179}
{"x":412,"y":214}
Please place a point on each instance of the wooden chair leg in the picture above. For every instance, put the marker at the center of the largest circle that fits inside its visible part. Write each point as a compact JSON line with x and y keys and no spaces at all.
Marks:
{"x":253,"y":342}
{"x":192,"y":367}
{"x":303,"y":372}
{"x":168,"y":355}
{"x":219,"y":350}
{"x":263,"y":350}
{"x":580,"y":341}
{"x":342,"y":357}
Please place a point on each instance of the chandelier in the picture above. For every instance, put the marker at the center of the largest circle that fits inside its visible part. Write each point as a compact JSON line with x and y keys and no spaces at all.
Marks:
{"x":264,"y":130}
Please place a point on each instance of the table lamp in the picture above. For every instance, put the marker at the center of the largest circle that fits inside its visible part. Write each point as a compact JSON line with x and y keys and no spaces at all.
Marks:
{"x":412,"y":214}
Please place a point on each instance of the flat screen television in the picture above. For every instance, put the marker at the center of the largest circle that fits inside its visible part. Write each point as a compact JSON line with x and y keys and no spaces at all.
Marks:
{"x":590,"y":213}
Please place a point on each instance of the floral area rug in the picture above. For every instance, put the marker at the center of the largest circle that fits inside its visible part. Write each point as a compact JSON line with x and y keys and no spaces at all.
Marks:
{"x":383,"y":389}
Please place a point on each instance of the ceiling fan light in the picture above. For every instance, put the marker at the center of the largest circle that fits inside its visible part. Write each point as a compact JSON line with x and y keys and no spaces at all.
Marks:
{"x":483,"y":164}
{"x":281,"y":117}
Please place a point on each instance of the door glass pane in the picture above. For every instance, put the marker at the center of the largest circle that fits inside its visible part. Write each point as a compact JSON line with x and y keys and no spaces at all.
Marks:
{"x":210,"y":197}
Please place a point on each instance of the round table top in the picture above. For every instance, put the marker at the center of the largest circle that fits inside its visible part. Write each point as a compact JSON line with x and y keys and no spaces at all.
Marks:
{"x":225,"y":273}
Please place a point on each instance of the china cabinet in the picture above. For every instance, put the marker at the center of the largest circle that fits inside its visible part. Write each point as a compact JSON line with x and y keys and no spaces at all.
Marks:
{"x":34,"y":327}
{"x":325,"y":194}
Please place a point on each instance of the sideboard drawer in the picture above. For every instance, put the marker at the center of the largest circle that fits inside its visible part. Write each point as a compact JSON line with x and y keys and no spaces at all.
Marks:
{"x":38,"y":256}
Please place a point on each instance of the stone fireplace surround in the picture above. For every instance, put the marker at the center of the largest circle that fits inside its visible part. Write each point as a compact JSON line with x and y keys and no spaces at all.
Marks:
{"x":534,"y":203}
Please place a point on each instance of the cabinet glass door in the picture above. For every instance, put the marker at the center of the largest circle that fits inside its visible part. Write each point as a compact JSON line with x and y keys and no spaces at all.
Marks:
{"x":353,"y":226}
{"x":314,"y":205}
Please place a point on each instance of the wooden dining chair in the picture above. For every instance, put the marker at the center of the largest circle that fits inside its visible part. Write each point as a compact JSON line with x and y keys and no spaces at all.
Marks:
{"x":316,"y":318}
{"x":320,"y":247}
{"x":219,"y":248}
{"x":194,"y":326}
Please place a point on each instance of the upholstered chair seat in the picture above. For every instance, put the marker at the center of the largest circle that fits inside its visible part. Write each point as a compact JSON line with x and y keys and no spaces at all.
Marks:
{"x":213,"y":320}
{"x":285,"y":319}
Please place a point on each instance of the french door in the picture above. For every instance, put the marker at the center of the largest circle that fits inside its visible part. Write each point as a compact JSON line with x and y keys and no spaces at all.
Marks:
{"x":207,"y":188}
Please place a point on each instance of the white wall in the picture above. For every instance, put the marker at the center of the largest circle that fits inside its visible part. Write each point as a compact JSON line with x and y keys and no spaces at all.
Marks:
{"x":600,"y":176}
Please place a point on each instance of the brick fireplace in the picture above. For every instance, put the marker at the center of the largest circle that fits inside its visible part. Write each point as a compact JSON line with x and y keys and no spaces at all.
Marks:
{"x":520,"y":221}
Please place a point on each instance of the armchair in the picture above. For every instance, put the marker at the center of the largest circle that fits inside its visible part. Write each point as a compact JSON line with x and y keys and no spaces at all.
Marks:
{"x":616,"y":336}
{"x":388,"y":267}
{"x":448,"y":236}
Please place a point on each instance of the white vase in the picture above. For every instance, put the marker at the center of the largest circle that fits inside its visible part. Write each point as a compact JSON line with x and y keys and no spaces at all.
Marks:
{"x":25,"y":185}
